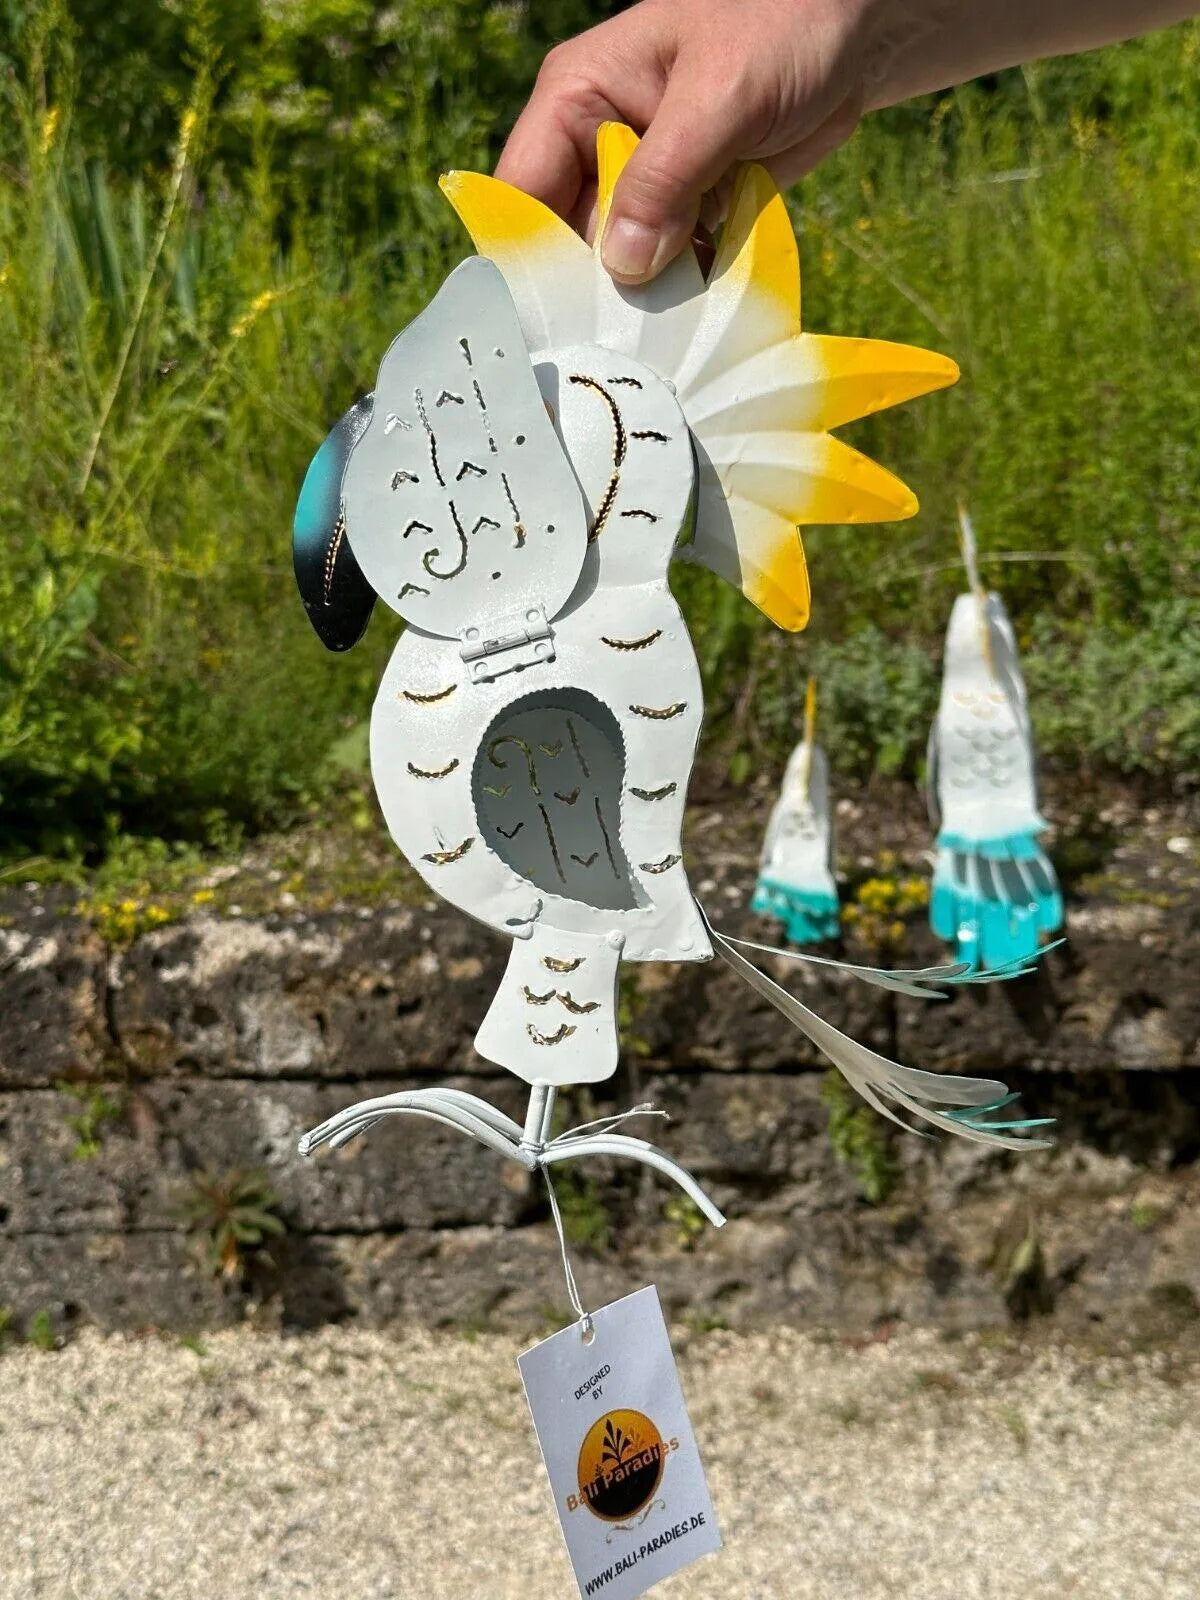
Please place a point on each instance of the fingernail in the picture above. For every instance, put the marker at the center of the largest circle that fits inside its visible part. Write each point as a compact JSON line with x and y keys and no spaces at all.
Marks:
{"x":629,"y":248}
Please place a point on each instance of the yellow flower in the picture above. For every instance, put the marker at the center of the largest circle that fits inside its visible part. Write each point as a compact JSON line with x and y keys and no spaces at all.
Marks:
{"x":261,"y":302}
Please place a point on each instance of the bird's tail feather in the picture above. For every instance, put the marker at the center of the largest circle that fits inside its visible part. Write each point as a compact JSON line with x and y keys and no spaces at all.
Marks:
{"x":994,"y":898}
{"x":809,"y":915}
{"x":964,"y":1106}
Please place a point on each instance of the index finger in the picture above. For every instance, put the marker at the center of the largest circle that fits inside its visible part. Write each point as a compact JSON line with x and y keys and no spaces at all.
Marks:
{"x":616,"y":72}
{"x":551,"y":151}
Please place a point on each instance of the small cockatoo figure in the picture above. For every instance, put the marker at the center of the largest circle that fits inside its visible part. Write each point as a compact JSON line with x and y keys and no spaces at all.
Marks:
{"x":539,"y":446}
{"x":995,"y":894}
{"x":795,"y":875}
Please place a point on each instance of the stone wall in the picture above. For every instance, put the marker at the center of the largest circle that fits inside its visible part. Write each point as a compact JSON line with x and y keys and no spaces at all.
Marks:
{"x":222,"y":1039}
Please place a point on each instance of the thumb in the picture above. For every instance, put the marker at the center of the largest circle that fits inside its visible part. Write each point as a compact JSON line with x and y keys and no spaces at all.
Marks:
{"x":694,"y":137}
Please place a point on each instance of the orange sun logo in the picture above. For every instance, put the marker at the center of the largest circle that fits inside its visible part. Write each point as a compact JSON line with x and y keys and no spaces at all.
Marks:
{"x":620,"y":1465}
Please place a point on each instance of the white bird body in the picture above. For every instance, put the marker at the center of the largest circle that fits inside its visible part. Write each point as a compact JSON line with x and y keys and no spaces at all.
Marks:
{"x":539,"y":446}
{"x":796,"y":884}
{"x":994,"y":890}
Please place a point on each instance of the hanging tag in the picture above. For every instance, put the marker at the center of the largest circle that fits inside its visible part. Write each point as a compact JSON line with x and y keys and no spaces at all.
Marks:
{"x":624,"y":1468}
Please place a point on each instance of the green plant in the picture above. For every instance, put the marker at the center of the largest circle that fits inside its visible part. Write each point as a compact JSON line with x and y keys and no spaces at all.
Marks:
{"x":858,"y":1141}
{"x":99,"y":1105}
{"x":40,"y":1332}
{"x":702,"y":1322}
{"x":686,"y":1218}
{"x":233,"y":1214}
{"x":1016,"y":1425}
{"x":586,"y":1220}
{"x":7,"y":1330}
{"x":1019,"y":1264}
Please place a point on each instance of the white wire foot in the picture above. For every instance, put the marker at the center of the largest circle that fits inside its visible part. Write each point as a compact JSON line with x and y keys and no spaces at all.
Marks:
{"x":529,"y":1146}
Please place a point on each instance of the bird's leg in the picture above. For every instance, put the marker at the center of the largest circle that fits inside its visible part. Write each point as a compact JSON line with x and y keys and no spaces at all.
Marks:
{"x":451,"y":1107}
{"x":618,"y":1144}
{"x":531,"y":1146}
{"x":538,"y":1117}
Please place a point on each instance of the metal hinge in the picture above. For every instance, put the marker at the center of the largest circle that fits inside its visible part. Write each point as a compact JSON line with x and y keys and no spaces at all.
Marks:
{"x":511,"y":644}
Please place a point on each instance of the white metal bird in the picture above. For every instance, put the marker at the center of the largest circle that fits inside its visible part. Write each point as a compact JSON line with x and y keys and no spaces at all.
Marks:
{"x":995,"y":894}
{"x":540,"y":444}
{"x":796,"y":884}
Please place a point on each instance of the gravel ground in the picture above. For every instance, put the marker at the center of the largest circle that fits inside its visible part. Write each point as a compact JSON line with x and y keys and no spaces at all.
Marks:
{"x":358,"y":1466}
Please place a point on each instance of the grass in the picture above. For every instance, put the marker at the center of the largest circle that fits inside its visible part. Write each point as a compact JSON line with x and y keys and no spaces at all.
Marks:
{"x":858,"y":1140}
{"x":188,"y":300}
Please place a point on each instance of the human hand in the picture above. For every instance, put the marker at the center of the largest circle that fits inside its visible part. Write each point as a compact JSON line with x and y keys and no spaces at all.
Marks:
{"x":711,"y":83}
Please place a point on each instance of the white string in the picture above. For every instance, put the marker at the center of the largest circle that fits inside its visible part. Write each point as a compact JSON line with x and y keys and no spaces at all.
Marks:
{"x":581,"y":1130}
{"x":585,"y":1321}
{"x":607,"y":1124}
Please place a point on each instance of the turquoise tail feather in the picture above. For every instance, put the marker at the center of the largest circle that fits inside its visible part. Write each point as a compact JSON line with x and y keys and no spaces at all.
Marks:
{"x":336,"y":596}
{"x":809,"y":916}
{"x":994,"y":898}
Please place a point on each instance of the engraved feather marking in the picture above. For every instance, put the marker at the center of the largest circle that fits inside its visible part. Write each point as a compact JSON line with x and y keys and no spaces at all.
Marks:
{"x":510,"y":833}
{"x":331,"y":555}
{"x":608,"y":849}
{"x":469,"y":466}
{"x":620,"y":445}
{"x":403,"y":476}
{"x":606,"y":505}
{"x":427,"y":699}
{"x":651,"y":433}
{"x":558,"y":867}
{"x":427,"y":559}
{"x":575,"y":745}
{"x":647,"y":516}
{"x":585,"y":861}
{"x":518,"y":525}
{"x":416,"y":523}
{"x":563,"y":1031}
{"x":556,"y":964}
{"x":660,"y":713}
{"x":629,"y":383}
{"x":659,"y":866}
{"x":574,"y":1007}
{"x":643,"y":643}
{"x":523,"y":747}
{"x":654,"y":794}
{"x":564,"y":998}
{"x":447,"y":395}
{"x":499,"y":790}
{"x":483,"y":412}
{"x":412,"y":588}
{"x":554,"y":749}
{"x":425,"y":423}
{"x":484,"y":522}
{"x":438,"y":772}
{"x":442,"y":858}
{"x":466,"y":350}
{"x":567,"y":799}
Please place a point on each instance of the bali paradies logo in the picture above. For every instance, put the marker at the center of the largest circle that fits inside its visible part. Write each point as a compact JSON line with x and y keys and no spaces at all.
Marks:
{"x":620,"y":1465}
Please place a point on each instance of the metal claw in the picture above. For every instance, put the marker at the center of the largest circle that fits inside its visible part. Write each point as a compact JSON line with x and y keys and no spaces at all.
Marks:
{"x":530,"y":1146}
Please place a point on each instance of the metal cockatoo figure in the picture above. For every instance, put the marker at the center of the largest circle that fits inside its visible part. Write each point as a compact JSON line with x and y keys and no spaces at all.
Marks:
{"x":994,"y":890}
{"x":795,"y":875}
{"x":539,"y":445}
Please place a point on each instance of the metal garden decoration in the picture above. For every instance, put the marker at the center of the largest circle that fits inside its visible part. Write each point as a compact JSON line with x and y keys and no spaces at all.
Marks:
{"x":995,"y":893}
{"x":539,"y":446}
{"x":796,"y":885}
